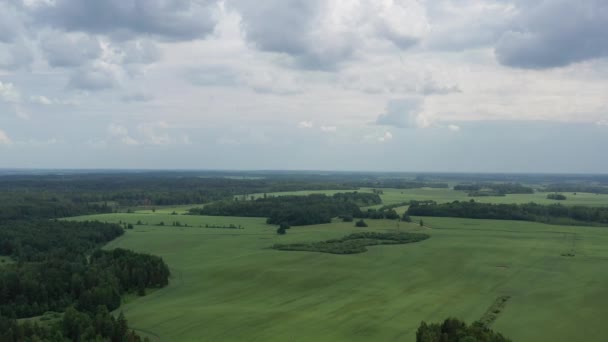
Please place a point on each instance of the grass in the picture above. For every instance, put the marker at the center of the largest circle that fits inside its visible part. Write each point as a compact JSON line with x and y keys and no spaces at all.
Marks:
{"x":228,"y":285}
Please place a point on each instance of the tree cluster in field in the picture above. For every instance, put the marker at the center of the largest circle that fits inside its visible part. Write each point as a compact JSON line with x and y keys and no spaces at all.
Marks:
{"x":293,"y":210}
{"x":230,"y":226}
{"x":557,"y":197}
{"x":73,"y":326}
{"x":493,"y":189}
{"x":454,"y":330}
{"x":354,"y":243}
{"x":552,"y":213}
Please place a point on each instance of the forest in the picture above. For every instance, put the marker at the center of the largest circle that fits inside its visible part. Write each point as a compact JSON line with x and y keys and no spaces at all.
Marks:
{"x":293,"y":210}
{"x":57,"y":266}
{"x":553,"y":213}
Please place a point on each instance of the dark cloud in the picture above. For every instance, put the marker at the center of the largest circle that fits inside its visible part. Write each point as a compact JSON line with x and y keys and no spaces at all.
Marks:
{"x":400,"y":113}
{"x":168,"y":19}
{"x":62,"y":50}
{"x":555,"y":33}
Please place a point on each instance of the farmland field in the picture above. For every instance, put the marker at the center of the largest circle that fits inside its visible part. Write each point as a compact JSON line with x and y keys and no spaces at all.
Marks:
{"x":227,"y":284}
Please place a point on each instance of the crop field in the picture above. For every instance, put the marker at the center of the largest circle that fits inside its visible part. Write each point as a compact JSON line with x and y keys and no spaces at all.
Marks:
{"x":229,"y":285}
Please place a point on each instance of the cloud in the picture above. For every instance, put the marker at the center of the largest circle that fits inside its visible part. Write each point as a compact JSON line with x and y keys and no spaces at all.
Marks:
{"x":69,"y":50}
{"x":9,"y":93}
{"x":175,"y":20}
{"x":305,"y":124}
{"x":454,"y":128}
{"x":555,"y":33}
{"x":121,"y":133}
{"x":136,"y":97}
{"x":93,"y":79}
{"x":155,"y":133}
{"x":386,"y":137}
{"x":43,"y":100}
{"x":329,"y":129}
{"x":602,"y":123}
{"x":4,"y":139}
{"x":402,"y":113}
{"x":322,"y":34}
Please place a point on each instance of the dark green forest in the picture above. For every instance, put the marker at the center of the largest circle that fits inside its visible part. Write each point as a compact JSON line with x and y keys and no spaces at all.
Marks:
{"x":553,"y":213}
{"x":454,"y":330}
{"x":293,"y":210}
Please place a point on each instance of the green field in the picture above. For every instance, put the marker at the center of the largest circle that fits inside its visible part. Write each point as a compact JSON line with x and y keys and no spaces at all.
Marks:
{"x":227,"y":285}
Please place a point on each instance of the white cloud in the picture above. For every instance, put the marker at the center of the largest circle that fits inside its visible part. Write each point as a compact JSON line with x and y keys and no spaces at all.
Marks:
{"x":41,"y":100}
{"x":329,"y":129}
{"x":305,"y":124}
{"x":4,"y":139}
{"x":602,"y":123}
{"x":121,"y":133}
{"x":454,"y":128}
{"x":9,"y":93}
{"x":386,"y":137}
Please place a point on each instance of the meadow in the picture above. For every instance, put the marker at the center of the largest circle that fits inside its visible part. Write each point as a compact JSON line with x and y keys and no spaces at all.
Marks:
{"x":230,"y":285}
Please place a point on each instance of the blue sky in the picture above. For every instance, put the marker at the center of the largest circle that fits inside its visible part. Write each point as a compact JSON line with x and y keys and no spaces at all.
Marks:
{"x":410,"y":85}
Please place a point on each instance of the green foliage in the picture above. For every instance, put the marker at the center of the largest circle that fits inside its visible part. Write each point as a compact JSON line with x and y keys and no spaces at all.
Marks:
{"x":361,"y":224}
{"x":454,"y":330}
{"x":294,"y":210}
{"x":557,"y":197}
{"x":554,"y":213}
{"x":354,"y":243}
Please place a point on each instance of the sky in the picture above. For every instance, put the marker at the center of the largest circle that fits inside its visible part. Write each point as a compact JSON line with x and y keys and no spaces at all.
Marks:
{"x":369,"y":85}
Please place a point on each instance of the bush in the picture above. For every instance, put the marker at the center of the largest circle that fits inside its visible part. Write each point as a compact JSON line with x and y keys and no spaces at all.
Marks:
{"x":354,"y":243}
{"x":361,"y":224}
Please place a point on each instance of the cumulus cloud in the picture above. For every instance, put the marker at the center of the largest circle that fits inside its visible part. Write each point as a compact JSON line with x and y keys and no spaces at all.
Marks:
{"x":125,"y":19}
{"x":69,"y":50}
{"x":93,"y":78}
{"x":329,"y":129}
{"x":4,"y":139}
{"x":555,"y":33}
{"x":9,"y":93}
{"x":121,"y":134}
{"x":386,"y":137}
{"x":305,"y":124}
{"x":322,"y":34}
{"x":454,"y":128}
{"x":401,"y":113}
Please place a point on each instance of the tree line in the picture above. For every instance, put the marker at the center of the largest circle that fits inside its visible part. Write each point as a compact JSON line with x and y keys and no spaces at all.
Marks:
{"x":552,"y":213}
{"x":293,"y":210}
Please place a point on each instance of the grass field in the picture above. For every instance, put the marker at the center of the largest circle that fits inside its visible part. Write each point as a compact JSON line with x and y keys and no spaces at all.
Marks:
{"x":227,"y":285}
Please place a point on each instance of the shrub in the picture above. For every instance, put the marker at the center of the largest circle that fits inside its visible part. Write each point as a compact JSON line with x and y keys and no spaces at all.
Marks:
{"x":361,"y":224}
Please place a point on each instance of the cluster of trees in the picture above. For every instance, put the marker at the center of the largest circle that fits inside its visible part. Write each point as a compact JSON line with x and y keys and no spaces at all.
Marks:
{"x":293,"y":210}
{"x":493,"y":189}
{"x":354,"y":243}
{"x":73,"y":326}
{"x":30,"y":289}
{"x":454,"y":330}
{"x":39,"y":240}
{"x":57,"y":268}
{"x":557,"y":197}
{"x":553,"y":213}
